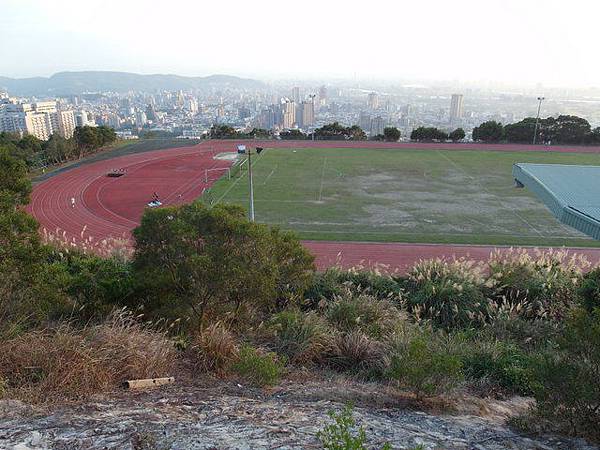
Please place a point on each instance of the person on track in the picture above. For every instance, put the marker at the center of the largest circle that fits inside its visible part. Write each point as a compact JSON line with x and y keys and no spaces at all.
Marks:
{"x":72,"y":202}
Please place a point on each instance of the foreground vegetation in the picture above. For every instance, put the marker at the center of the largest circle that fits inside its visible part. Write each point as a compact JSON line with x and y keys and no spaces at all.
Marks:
{"x":206,"y":291}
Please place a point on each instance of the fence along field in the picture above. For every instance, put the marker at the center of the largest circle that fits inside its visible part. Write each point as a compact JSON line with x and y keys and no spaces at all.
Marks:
{"x":439,"y":196}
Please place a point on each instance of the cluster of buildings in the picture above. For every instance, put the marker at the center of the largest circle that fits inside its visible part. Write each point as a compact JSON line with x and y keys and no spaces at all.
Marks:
{"x":40,"y":119}
{"x":277,"y":107}
{"x":287,"y":114}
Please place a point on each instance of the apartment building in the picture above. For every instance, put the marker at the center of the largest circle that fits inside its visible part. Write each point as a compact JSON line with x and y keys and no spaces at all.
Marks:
{"x":41,"y":119}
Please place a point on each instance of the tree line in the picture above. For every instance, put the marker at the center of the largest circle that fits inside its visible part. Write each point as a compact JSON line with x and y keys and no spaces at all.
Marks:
{"x":329,"y":132}
{"x":564,"y":129}
{"x":56,"y":150}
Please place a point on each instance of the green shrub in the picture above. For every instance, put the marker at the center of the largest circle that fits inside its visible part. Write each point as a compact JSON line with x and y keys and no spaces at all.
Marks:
{"x":543,"y":284}
{"x":589,"y":290}
{"x":449,"y":294}
{"x":527,"y":335}
{"x":259,"y":368}
{"x":421,"y":363}
{"x":301,"y":337}
{"x":502,"y":364}
{"x":343,"y":433}
{"x":373,"y":282}
{"x":324,"y":287}
{"x":97,"y":285}
{"x":214,"y":262}
{"x":358,"y":311}
{"x":568,"y":391}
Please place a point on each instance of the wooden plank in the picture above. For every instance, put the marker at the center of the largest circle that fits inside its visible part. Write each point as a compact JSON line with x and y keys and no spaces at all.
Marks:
{"x":149,"y":382}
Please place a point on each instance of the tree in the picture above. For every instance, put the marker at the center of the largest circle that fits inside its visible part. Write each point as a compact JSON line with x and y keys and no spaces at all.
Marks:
{"x":335,"y":131}
{"x":391,"y":134}
{"x":428,"y":134}
{"x":355,"y":133}
{"x":490,"y":131}
{"x":15,"y":186}
{"x":194,"y":260}
{"x":106,"y":135}
{"x":594,"y":136}
{"x":568,"y":130}
{"x":30,"y":289}
{"x":522,"y":132}
{"x":457,"y":135}
{"x":292,"y":135}
{"x":222,"y":132}
{"x":87,"y":139}
{"x":258,"y":133}
{"x":58,"y":149}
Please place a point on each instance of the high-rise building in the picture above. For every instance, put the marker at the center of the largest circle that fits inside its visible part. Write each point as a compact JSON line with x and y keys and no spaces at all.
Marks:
{"x":140,"y":119}
{"x":308,"y":112}
{"x":289,"y":113}
{"x":296,"y":95}
{"x":456,"y":107}
{"x":364,"y":122}
{"x":373,"y":100}
{"x":377,"y":125}
{"x":191,"y":105}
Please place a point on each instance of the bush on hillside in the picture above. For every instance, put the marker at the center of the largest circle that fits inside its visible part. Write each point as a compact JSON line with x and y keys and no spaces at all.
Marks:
{"x":194,"y":261}
{"x":359,"y":311}
{"x":258,"y":367}
{"x":447,"y":293}
{"x":213,"y":349}
{"x":544,"y":284}
{"x":423,"y":362}
{"x":357,"y":353}
{"x":502,"y":365}
{"x":568,"y":388}
{"x":96,"y":285}
{"x":589,"y":290}
{"x":301,"y":337}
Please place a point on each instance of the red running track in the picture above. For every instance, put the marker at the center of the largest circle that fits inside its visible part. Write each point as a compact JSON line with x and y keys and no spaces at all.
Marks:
{"x":111,"y":207}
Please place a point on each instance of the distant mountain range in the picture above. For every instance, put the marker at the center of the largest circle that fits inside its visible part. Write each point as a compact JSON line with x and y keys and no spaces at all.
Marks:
{"x":70,"y":83}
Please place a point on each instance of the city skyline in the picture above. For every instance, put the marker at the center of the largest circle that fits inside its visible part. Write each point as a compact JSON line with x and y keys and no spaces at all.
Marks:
{"x":195,"y":40}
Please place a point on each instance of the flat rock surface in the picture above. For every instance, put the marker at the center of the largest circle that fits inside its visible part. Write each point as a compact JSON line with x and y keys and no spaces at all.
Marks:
{"x":223,"y":415}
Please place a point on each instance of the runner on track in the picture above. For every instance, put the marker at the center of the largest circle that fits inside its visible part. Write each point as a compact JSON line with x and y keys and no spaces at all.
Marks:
{"x":73,"y":202}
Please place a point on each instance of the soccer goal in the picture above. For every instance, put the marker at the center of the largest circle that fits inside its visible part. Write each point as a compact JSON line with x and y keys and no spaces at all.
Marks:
{"x":239,"y":167}
{"x":215,"y":174}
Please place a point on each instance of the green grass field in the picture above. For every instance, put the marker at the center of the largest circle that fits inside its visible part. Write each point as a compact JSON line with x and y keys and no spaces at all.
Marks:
{"x":432,"y":196}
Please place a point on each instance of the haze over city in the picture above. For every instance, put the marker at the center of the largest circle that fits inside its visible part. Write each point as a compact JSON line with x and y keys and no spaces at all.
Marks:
{"x":508,"y":41}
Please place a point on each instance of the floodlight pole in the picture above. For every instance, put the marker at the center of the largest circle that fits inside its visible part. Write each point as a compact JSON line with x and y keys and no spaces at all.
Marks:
{"x":251,"y":185}
{"x":537,"y":119}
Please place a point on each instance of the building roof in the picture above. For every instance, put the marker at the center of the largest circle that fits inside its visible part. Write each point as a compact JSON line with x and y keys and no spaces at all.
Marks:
{"x":571,"y":192}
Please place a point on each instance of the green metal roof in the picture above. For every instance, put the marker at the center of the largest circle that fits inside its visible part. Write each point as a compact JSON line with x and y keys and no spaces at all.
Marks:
{"x":572,"y":193}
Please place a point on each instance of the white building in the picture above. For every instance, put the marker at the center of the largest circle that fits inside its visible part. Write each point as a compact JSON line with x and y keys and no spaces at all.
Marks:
{"x":456,"y":107}
{"x":41,"y":119}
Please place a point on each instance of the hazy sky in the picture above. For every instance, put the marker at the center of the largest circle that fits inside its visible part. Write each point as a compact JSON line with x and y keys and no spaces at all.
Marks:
{"x":548,"y":41}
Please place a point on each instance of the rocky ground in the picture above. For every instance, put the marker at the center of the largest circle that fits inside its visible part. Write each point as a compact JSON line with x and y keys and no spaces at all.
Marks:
{"x":216,"y":414}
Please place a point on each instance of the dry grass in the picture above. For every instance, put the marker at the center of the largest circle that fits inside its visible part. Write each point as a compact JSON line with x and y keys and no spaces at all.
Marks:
{"x":356,"y":351}
{"x":65,"y":363}
{"x":120,"y":248}
{"x":214,"y":349}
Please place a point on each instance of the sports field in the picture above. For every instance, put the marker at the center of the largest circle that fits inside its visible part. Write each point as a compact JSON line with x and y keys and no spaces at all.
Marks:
{"x":436,"y":196}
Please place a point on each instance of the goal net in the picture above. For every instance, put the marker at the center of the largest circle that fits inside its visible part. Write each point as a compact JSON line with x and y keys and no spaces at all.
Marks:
{"x":239,"y":167}
{"x":216,"y":173}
